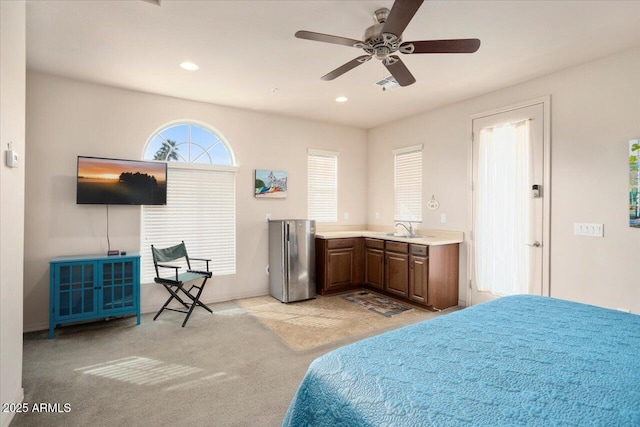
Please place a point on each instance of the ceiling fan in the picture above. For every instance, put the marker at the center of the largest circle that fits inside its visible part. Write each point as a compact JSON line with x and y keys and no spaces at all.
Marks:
{"x":384,"y":38}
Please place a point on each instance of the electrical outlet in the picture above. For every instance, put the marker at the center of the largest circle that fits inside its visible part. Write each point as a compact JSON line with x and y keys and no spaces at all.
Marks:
{"x":346,"y":216}
{"x":443,"y":218}
{"x":268,"y":216}
{"x":377,"y":215}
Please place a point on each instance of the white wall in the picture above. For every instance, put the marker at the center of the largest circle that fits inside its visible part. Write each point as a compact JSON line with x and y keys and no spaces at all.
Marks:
{"x":12,"y":128}
{"x":595,"y":111}
{"x":67,"y":118}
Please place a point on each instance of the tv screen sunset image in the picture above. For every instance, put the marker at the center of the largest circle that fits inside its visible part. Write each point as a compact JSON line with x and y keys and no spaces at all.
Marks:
{"x":121,"y":182}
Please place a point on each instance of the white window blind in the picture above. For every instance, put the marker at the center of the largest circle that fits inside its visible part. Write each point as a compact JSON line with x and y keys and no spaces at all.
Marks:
{"x":408,"y":184}
{"x":200,"y":210}
{"x":322,"y":199}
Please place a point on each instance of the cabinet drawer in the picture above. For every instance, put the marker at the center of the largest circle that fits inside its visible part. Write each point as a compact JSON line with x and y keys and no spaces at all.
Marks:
{"x":374,"y":243}
{"x":339,"y":243}
{"x":399,"y":247}
{"x":419,"y":250}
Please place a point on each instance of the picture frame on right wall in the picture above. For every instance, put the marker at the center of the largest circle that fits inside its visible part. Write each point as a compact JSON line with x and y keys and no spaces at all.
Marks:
{"x":634,"y":183}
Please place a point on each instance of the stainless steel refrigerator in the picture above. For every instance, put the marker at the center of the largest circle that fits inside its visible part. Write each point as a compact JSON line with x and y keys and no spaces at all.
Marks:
{"x":292,"y":261}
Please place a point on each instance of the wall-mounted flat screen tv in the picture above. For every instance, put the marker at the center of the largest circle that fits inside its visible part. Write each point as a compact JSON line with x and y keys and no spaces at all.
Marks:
{"x":121,"y":182}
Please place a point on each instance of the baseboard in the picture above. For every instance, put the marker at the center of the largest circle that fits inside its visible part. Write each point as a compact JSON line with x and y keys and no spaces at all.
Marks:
{"x":154,"y":309}
{"x":35,"y":327}
{"x":146,"y":309}
{"x":7,"y":417}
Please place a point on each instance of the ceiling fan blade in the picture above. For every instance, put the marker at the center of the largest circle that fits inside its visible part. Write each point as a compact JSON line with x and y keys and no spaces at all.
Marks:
{"x":346,"y":67}
{"x":441,"y":46}
{"x":319,"y":37}
{"x":399,"y":71}
{"x":401,"y":13}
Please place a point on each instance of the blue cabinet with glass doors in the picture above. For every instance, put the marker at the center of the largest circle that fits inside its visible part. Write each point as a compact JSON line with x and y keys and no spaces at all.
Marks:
{"x":93,"y":287}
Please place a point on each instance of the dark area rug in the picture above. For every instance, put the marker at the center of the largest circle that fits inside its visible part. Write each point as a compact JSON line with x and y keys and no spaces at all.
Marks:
{"x":376,"y":303}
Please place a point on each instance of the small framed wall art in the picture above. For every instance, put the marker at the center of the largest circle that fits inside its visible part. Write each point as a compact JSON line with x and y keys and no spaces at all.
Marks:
{"x":270,"y":184}
{"x":634,"y":183}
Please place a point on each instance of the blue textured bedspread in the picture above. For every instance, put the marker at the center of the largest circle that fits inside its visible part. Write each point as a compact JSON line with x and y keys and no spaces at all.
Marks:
{"x":521,"y":360}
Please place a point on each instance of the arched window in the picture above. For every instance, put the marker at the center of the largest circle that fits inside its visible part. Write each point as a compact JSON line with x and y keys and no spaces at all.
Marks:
{"x":189,"y":143}
{"x":200,"y":205}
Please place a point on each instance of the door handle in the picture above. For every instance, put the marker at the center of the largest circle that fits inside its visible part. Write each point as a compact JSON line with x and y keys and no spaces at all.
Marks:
{"x":535,"y":244}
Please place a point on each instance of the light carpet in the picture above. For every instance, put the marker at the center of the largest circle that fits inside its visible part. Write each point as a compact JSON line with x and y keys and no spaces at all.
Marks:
{"x":314,"y":323}
{"x":223,"y":369}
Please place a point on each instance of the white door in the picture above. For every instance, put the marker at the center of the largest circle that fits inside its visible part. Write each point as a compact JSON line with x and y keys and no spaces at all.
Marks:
{"x":508,"y":255}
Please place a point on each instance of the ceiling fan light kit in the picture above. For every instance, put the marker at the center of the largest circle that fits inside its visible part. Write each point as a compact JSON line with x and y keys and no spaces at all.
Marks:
{"x":384,"y":38}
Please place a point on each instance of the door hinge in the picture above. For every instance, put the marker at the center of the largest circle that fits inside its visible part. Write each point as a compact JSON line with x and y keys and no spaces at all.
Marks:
{"x":472,"y":186}
{"x":470,"y":284}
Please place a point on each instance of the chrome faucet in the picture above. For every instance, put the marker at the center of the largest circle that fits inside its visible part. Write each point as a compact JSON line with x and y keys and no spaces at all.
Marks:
{"x":409,"y":229}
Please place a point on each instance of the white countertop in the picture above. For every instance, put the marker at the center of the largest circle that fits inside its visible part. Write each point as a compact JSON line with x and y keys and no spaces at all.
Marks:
{"x":429,"y":237}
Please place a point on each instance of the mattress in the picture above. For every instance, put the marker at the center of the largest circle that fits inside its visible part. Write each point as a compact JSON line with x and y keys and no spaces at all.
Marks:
{"x":520,"y":360}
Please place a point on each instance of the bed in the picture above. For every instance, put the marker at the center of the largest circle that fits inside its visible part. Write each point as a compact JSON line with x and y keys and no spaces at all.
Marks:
{"x":520,"y":360}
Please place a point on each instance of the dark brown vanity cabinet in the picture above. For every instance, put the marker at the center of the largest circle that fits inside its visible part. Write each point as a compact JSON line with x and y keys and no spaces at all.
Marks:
{"x":443,"y":276}
{"x":338,"y":264}
{"x":396,"y":268}
{"x":374,"y":263}
{"x":419,"y":274}
{"x":424,"y":275}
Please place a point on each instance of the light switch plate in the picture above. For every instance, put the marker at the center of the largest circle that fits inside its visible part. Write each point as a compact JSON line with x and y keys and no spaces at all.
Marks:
{"x":588,"y":229}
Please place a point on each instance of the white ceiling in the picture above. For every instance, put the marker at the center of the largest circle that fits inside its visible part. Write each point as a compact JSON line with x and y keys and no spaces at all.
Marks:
{"x":247,"y":48}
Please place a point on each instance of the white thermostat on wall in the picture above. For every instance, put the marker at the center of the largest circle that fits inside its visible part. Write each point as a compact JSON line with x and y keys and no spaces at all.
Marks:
{"x":11,"y":157}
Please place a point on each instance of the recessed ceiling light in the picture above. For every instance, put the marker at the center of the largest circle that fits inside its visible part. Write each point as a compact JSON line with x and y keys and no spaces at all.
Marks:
{"x":342,"y":99}
{"x":189,"y":66}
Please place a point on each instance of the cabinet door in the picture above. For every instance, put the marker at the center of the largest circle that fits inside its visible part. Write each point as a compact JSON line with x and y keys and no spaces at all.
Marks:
{"x":397,"y":274}
{"x":374,"y":268}
{"x":418,"y":278}
{"x":339,"y":268}
{"x":75,"y":291}
{"x":118,"y":286}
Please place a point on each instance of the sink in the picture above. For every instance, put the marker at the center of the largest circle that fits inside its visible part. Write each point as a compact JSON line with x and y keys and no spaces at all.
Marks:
{"x":415,"y":236}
